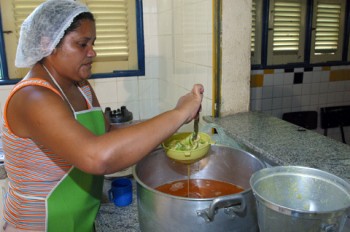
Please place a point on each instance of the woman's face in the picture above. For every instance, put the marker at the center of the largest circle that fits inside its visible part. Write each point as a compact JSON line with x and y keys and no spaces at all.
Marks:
{"x":73,"y":58}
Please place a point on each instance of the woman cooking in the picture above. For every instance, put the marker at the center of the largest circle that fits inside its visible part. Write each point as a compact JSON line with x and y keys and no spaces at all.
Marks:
{"x":56,"y":140}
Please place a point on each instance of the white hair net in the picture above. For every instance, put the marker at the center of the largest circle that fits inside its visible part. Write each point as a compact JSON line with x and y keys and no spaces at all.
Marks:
{"x":44,"y":28}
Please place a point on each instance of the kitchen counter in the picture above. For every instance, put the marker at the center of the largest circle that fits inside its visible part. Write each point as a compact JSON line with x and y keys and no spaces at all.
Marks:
{"x":271,"y":139}
{"x":278,"y":142}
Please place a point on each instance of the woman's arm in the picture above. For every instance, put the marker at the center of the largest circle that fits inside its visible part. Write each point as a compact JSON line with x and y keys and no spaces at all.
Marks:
{"x":47,"y":120}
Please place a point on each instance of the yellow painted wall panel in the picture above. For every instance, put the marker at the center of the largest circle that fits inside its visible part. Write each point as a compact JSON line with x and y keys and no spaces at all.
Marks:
{"x":269,"y":71}
{"x":339,"y":75}
{"x":256,"y":80}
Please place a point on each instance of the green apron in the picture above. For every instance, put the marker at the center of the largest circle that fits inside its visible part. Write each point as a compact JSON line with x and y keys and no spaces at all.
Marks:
{"x":73,"y":204}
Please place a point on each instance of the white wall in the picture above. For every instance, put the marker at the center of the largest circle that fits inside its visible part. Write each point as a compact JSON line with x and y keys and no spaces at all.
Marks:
{"x":236,"y":29}
{"x":184,"y":42}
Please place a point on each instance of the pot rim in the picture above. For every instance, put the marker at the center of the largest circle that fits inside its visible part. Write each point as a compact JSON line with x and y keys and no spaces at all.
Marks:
{"x":299,"y":212}
{"x":138,"y":181}
{"x":244,"y":192}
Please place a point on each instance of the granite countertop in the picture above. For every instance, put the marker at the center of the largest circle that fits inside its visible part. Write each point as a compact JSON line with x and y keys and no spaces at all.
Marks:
{"x":278,"y":142}
{"x":271,"y":139}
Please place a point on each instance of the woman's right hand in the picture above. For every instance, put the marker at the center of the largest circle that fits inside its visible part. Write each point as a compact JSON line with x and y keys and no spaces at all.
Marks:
{"x":190,"y":104}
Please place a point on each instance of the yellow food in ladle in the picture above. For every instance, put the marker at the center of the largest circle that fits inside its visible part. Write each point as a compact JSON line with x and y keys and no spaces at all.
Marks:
{"x":187,"y":144}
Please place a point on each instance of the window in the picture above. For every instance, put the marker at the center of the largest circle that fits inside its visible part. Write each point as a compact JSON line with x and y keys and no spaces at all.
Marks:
{"x":256,"y":33}
{"x":348,"y":48}
{"x":327,"y":31}
{"x":300,"y":32}
{"x":286,"y":41}
{"x":119,"y":30}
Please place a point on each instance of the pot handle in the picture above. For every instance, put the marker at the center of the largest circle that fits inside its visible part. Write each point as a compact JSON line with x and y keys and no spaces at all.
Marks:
{"x":230,"y":201}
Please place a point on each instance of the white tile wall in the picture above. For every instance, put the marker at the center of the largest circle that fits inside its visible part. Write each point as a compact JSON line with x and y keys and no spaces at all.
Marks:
{"x":4,"y":92}
{"x":279,"y":95}
{"x":190,"y":56}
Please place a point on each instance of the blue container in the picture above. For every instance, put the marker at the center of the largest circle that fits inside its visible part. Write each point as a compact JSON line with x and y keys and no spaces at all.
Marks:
{"x":121,"y":192}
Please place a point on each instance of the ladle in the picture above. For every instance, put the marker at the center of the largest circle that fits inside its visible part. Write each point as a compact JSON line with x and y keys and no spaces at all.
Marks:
{"x":195,"y":133}
{"x":191,"y":155}
{"x":196,"y":122}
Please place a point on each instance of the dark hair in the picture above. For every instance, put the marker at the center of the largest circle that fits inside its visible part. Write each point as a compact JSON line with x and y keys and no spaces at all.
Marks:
{"x":76,"y":23}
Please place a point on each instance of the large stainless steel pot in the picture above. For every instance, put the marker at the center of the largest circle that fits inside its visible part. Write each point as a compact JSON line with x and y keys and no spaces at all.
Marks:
{"x":293,"y":199}
{"x":162,"y":212}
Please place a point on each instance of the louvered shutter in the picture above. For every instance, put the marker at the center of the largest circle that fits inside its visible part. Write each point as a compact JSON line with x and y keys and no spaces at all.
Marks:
{"x":116,"y":29}
{"x":112,"y":41}
{"x":111,"y":25}
{"x":253,"y":31}
{"x":286,"y":31}
{"x":286,"y":27}
{"x":116,"y":32}
{"x":22,"y":9}
{"x":327,"y":34}
{"x":256,"y":32}
{"x":327,"y":28}
{"x":15,"y":12}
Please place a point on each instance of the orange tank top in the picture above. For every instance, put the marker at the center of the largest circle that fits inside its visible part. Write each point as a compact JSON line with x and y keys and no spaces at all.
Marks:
{"x":32,"y":169}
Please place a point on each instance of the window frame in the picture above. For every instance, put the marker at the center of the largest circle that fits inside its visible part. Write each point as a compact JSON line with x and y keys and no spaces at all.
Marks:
{"x":307,"y":50}
{"x":348,"y":48}
{"x":140,"y":71}
{"x":140,"y":50}
{"x":346,"y":55}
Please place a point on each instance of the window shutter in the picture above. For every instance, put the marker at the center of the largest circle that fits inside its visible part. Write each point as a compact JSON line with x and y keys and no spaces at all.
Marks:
{"x":252,"y":39}
{"x":117,"y":28}
{"x":286,"y":27}
{"x":256,"y":32}
{"x":111,"y":25}
{"x":22,"y":9}
{"x":286,"y":31}
{"x":111,"y":17}
{"x":327,"y":30}
{"x":15,"y":12}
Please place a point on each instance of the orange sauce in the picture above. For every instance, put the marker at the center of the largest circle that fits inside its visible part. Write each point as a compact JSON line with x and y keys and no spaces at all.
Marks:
{"x":199,"y":188}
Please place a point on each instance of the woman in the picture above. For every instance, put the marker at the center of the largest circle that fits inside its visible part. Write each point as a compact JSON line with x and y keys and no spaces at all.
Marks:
{"x":54,"y":133}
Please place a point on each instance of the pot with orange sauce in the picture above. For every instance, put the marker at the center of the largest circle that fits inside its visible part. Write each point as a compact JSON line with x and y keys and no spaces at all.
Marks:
{"x":213,"y":194}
